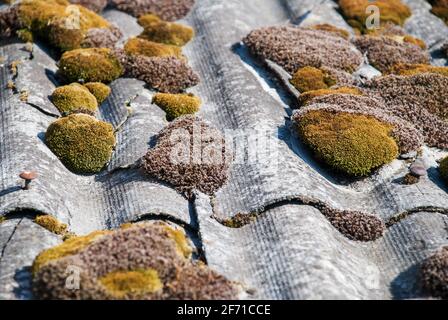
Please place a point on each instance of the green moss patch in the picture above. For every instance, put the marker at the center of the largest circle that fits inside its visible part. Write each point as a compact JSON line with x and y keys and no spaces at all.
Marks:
{"x":165,"y":32}
{"x":350,"y":143}
{"x":83,"y":143}
{"x":310,"y":78}
{"x":51,"y":224}
{"x":308,"y":96}
{"x":139,"y":46}
{"x":73,"y":98}
{"x":99,"y":90}
{"x":176,"y":105}
{"x":391,"y":11}
{"x":63,"y":24}
{"x":90,"y":65}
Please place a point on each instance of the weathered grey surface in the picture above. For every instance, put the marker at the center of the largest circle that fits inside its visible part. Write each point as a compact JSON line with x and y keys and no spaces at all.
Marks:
{"x":291,"y":251}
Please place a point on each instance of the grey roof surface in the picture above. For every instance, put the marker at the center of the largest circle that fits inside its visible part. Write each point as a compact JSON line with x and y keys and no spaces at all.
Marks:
{"x":291,"y":251}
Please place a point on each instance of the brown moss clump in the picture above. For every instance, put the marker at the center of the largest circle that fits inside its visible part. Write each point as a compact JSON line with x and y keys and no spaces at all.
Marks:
{"x":440,"y":9}
{"x":139,"y":262}
{"x":293,"y":48}
{"x":94,"y":5}
{"x":169,"y":10}
{"x":64,"y":25}
{"x":138,"y":46}
{"x":176,"y":105}
{"x":384,"y":52}
{"x":101,"y":38}
{"x":443,"y":169}
{"x":90,"y":65}
{"x":165,"y":74}
{"x":73,"y":97}
{"x":333,"y":29}
{"x":410,"y":179}
{"x":67,"y":248}
{"x":99,"y":90}
{"x":412,"y":69}
{"x":434,"y":274}
{"x":51,"y":224}
{"x":205,"y":169}
{"x":391,"y":11}
{"x":353,"y":144}
{"x":83,"y":143}
{"x":308,"y":96}
{"x":165,"y":32}
{"x":136,"y":282}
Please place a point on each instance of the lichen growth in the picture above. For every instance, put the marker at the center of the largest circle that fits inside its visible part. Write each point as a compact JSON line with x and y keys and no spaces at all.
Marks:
{"x":73,"y":97}
{"x":90,"y":65}
{"x":391,"y":11}
{"x":51,"y":224}
{"x":63,"y":24}
{"x":176,"y":105}
{"x":412,"y":69}
{"x":99,"y":90}
{"x":310,"y":78}
{"x":82,"y":143}
{"x":136,"y":282}
{"x":353,"y":144}
{"x":306,"y":97}
{"x":138,"y":46}
{"x":68,"y":247}
{"x":165,"y":32}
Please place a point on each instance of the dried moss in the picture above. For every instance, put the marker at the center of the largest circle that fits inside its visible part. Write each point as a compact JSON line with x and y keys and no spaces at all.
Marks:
{"x":165,"y":32}
{"x":205,"y":169}
{"x":64,"y":25}
{"x":333,"y":29}
{"x":139,"y":262}
{"x":73,"y":97}
{"x":306,"y":97}
{"x":94,"y":5}
{"x":90,"y":65}
{"x":176,"y":105}
{"x":391,"y":11}
{"x":412,"y":69}
{"x":294,"y":48}
{"x":83,"y":143}
{"x":99,"y":90}
{"x":434,"y":274}
{"x":136,"y":282}
{"x":67,"y":248}
{"x":353,"y":144}
{"x":240,"y":220}
{"x":169,"y":10}
{"x":384,"y":52}
{"x":138,"y":46}
{"x":440,"y":9}
{"x":51,"y":224}
{"x":410,"y":179}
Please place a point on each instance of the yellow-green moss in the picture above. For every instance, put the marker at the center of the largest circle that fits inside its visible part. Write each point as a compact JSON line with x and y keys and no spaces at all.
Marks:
{"x":99,"y":90}
{"x":51,"y":224}
{"x":393,"y":11}
{"x":63,"y":24}
{"x":176,"y":105}
{"x":412,"y":69}
{"x":353,"y":144}
{"x":2,"y":219}
{"x":90,"y":65}
{"x":25,"y":35}
{"x":139,"y":46}
{"x":330,"y":28}
{"x":443,"y":169}
{"x":310,"y":78}
{"x":165,"y":32}
{"x":72,"y":98}
{"x":82,"y":143}
{"x":182,"y":244}
{"x":440,"y":9}
{"x":416,"y":41}
{"x":306,"y":97}
{"x":137,"y":282}
{"x":67,"y":248}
